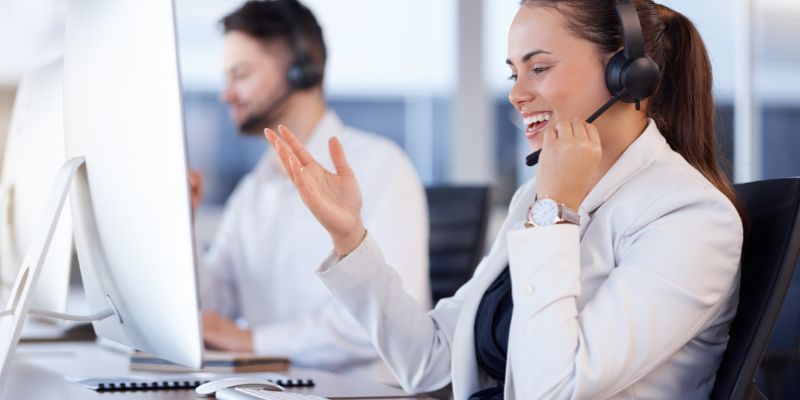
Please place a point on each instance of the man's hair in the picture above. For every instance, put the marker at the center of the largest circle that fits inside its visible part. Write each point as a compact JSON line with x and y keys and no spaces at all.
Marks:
{"x":268,"y":20}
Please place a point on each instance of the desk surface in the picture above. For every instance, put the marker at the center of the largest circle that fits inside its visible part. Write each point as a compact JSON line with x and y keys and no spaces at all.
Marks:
{"x":45,"y":371}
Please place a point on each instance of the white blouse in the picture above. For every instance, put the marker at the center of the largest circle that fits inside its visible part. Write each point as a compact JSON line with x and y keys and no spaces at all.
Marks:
{"x":636,"y":302}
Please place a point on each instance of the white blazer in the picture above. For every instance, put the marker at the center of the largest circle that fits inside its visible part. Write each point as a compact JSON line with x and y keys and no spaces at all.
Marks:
{"x":635,"y":303}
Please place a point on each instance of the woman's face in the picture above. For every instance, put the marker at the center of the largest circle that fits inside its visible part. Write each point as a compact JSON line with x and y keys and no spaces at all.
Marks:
{"x":557,"y":76}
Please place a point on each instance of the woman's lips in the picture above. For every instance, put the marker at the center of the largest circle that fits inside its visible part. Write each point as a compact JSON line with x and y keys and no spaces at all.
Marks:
{"x":536,"y":122}
{"x":534,"y":129}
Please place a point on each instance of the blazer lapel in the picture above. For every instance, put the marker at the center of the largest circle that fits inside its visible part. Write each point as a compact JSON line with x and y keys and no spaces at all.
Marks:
{"x":466,"y":377}
{"x":641,"y":153}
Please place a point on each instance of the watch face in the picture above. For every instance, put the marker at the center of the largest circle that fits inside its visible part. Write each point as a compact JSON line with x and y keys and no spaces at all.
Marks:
{"x":544,"y":212}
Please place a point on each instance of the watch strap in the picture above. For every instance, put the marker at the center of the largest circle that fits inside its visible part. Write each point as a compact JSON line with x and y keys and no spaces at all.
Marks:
{"x":568,"y":215}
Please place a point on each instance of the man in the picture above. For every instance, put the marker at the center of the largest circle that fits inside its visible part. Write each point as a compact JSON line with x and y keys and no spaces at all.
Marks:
{"x":260,"y":266}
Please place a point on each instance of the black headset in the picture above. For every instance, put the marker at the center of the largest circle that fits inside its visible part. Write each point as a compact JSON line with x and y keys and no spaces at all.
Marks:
{"x":631,"y":76}
{"x":302,"y":73}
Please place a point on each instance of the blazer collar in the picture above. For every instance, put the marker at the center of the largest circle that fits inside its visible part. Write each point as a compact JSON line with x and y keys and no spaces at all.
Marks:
{"x":641,"y":153}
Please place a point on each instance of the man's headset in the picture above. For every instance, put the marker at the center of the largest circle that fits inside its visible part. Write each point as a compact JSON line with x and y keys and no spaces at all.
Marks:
{"x":631,"y":76}
{"x":302,"y":73}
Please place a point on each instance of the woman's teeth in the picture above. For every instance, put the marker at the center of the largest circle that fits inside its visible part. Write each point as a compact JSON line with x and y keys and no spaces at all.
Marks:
{"x":534,"y":122}
{"x":536,"y":118}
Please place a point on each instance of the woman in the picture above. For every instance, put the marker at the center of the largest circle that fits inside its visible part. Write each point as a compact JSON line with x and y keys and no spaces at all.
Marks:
{"x":635,"y":299}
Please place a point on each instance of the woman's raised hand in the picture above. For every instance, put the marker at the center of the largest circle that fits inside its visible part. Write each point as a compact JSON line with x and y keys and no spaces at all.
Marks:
{"x":333,"y":198}
{"x":570,"y":155}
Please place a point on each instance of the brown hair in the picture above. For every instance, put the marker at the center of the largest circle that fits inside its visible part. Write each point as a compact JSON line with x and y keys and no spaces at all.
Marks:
{"x":683,"y":106}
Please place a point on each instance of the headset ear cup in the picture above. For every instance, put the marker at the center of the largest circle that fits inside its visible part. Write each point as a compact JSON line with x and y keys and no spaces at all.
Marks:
{"x":312,"y":75}
{"x":614,"y":76}
{"x":294,"y":76}
{"x":632,"y":80}
{"x":301,"y":77}
{"x":641,"y":77}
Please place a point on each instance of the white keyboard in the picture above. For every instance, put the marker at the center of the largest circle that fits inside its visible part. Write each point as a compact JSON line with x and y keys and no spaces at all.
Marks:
{"x":256,"y":394}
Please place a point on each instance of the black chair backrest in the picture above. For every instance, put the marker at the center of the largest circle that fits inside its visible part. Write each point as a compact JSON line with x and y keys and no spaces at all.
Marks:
{"x":458,"y":217}
{"x":770,"y":253}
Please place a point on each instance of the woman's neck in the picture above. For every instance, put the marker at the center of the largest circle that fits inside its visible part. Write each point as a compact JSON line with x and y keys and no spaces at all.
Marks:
{"x":618,"y":130}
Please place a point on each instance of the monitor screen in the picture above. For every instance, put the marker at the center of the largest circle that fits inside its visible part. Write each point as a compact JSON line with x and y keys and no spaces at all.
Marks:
{"x":34,"y":153}
{"x":130,"y":202}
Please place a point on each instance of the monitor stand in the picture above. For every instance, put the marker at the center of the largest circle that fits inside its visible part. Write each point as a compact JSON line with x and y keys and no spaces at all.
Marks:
{"x":13,"y":317}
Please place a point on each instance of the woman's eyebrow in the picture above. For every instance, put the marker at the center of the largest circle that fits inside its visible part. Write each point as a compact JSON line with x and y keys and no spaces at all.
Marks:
{"x":528,"y":56}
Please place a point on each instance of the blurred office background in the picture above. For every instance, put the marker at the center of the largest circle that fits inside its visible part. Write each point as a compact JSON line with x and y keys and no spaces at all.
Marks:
{"x":430,"y":75}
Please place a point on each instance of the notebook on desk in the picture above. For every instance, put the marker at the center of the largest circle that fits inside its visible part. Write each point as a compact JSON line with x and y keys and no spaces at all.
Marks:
{"x":116,"y":384}
{"x":213,"y":361}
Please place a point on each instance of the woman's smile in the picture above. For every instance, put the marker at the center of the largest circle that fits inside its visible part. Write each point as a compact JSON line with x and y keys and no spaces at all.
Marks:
{"x":536,"y":122}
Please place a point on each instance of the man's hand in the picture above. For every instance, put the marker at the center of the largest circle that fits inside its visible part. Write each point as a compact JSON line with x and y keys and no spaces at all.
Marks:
{"x":222,"y":334}
{"x":196,"y":185}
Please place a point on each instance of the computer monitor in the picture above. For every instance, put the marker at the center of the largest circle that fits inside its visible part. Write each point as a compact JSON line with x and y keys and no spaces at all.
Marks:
{"x":132,"y":220}
{"x":125,"y":149}
{"x":34,"y":152}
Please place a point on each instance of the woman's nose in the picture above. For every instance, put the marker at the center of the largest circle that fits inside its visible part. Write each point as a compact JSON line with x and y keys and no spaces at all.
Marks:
{"x":520,"y":94}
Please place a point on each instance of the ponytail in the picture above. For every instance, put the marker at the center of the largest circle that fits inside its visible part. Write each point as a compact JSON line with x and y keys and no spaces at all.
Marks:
{"x":683,"y":106}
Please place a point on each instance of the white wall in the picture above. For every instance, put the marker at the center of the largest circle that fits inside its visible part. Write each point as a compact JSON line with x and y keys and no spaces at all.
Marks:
{"x":376,"y":48}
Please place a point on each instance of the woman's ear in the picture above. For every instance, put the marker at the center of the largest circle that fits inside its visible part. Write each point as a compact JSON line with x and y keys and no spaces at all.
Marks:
{"x":607,"y":56}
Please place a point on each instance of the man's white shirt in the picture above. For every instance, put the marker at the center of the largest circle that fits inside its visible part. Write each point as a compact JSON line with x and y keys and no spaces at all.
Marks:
{"x":260,"y":266}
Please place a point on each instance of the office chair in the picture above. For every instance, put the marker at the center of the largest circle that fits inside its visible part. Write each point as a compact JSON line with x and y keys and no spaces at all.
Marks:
{"x":770,"y":253}
{"x":782,"y":358}
{"x":458,"y":217}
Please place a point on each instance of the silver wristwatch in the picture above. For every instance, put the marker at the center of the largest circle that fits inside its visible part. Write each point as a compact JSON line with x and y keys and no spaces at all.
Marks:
{"x":546,"y":211}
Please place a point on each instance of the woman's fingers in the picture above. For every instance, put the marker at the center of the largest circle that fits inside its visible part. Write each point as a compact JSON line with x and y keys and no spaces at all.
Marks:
{"x":297,"y":147}
{"x":338,"y":157}
{"x":594,"y":137}
{"x":579,"y":130}
{"x":289,"y":148}
{"x":285,"y":155}
{"x":564,"y":131}
{"x":291,"y":164}
{"x":570,"y":155}
{"x":300,"y":177}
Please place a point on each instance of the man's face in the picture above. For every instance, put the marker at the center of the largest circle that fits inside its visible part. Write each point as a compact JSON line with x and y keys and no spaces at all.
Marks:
{"x":256,"y":79}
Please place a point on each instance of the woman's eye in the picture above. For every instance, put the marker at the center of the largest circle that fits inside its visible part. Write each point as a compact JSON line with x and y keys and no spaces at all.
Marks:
{"x":513,"y":77}
{"x":540,"y":70}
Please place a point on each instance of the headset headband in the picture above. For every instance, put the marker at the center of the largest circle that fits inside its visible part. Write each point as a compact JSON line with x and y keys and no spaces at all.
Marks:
{"x":631,"y":30}
{"x":296,"y":42}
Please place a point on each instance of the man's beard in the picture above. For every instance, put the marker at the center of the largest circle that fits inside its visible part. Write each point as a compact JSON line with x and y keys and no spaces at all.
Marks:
{"x":268,"y":116}
{"x":253,"y":124}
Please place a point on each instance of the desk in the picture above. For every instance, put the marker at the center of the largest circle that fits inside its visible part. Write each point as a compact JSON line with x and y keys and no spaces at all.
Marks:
{"x":40,"y":371}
